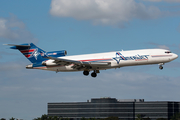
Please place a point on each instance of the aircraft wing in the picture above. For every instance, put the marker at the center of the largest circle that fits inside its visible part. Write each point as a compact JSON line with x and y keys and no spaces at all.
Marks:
{"x":78,"y":64}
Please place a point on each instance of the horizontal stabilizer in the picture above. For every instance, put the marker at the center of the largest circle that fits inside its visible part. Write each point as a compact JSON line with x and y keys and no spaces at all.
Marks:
{"x":19,"y":46}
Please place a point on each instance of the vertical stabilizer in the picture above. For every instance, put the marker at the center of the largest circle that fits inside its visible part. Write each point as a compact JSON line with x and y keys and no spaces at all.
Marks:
{"x":30,"y":51}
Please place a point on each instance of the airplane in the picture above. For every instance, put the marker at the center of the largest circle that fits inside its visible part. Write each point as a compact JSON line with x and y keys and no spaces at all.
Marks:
{"x":59,"y":62}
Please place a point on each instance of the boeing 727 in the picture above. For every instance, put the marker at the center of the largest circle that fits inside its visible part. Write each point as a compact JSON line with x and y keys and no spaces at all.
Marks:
{"x":59,"y":62}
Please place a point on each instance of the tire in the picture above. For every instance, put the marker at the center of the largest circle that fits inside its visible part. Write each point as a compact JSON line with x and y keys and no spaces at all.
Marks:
{"x":93,"y":74}
{"x":86,"y":73}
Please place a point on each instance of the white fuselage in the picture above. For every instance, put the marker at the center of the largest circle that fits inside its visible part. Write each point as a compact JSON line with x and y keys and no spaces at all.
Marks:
{"x":117,"y":59}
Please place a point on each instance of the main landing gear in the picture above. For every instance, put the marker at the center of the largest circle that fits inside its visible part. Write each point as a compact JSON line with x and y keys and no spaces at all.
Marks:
{"x":93,"y":74}
{"x":86,"y":73}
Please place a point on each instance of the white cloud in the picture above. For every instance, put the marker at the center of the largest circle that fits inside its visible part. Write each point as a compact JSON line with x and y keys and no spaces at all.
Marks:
{"x":13,"y":29}
{"x":111,"y":12}
{"x":33,"y":89}
{"x":178,"y":28}
{"x":163,"y":0}
{"x":159,"y":46}
{"x":163,"y":47}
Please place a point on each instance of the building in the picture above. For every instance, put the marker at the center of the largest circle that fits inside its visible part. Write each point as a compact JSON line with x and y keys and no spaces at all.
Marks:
{"x":108,"y":107}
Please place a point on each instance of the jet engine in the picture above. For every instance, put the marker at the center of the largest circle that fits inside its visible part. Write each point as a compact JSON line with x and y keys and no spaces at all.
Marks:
{"x":57,"y":53}
{"x":54,"y":54}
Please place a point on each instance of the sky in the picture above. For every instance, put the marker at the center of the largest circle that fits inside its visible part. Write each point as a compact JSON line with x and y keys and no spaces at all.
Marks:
{"x":82,"y":27}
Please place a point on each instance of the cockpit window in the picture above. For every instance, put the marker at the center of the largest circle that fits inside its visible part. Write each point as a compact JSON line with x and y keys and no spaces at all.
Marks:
{"x":168,"y":52}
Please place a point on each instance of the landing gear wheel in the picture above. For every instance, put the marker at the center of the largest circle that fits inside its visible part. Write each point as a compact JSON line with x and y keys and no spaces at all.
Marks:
{"x":93,"y":74}
{"x":86,"y":73}
{"x":161,"y":67}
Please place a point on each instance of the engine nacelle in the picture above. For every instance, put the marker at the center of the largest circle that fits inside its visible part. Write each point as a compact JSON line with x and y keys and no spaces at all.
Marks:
{"x":57,"y":53}
{"x":48,"y":63}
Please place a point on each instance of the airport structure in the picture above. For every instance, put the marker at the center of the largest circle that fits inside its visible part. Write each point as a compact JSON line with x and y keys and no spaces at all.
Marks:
{"x":112,"y":107}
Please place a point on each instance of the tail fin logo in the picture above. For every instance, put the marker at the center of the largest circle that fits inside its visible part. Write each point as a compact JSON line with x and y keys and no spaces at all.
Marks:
{"x":30,"y":53}
{"x":27,"y":53}
{"x":35,"y":54}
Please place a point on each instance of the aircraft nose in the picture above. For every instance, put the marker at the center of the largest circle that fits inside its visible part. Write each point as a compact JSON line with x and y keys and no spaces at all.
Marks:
{"x":175,"y":56}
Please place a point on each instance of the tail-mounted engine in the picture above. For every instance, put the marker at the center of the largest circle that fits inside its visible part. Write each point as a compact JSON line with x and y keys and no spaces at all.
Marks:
{"x":54,"y":54}
{"x":57,"y":53}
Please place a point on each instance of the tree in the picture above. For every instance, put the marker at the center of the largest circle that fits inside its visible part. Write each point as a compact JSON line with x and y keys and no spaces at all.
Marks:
{"x":147,"y":118}
{"x":44,"y":117}
{"x":37,"y":118}
{"x":139,"y":117}
{"x":112,"y":118}
{"x":83,"y":118}
{"x":12,"y":118}
{"x":176,"y":117}
{"x":161,"y":119}
{"x":65,"y":118}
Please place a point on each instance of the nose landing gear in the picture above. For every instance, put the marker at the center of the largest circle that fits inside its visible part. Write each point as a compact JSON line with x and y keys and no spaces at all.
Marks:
{"x":160,"y":66}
